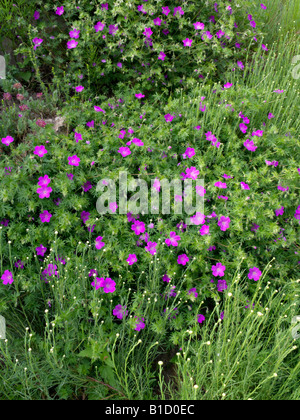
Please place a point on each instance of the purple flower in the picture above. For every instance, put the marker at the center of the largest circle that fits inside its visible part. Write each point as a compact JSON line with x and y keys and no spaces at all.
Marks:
{"x":187,"y":42}
{"x":254,"y":274}
{"x":140,"y":325}
{"x":44,"y":192}
{"x":85,"y":216}
{"x":245,"y":186}
{"x":222,"y":285}
{"x":131,"y":259}
{"x":19,"y":264}
{"x":173,"y":240}
{"x":124,"y":151}
{"x":193,"y":292}
{"x":73,"y":160}
{"x":249,"y":144}
{"x":165,"y":11}
{"x":138,"y":227}
{"x":148,"y":32}
{"x":279,"y":212}
{"x":60,"y":10}
{"x":109,"y":285}
{"x":183,"y":259}
{"x":199,"y":26}
{"x":198,"y":219}
{"x":151,"y":247}
{"x":7,"y":277}
{"x":37,"y":42}
{"x":204,"y":230}
{"x":166,"y":278}
{"x":99,"y":26}
{"x":112,"y":29}
{"x":99,"y":243}
{"x":44,"y":181}
{"x":40,"y":151}
{"x":72,"y":44}
{"x":169,"y":117}
{"x":74,"y":33}
{"x":87,"y":186}
{"x":41,"y":250}
{"x":162,"y":56}
{"x":200,"y":318}
{"x":79,"y":88}
{"x":223,"y":223}
{"x":45,"y":216}
{"x":218,"y":270}
{"x":7,"y":140}
{"x":120,"y":311}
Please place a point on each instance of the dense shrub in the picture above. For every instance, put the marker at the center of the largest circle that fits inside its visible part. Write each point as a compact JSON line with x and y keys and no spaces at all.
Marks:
{"x":97,"y":275}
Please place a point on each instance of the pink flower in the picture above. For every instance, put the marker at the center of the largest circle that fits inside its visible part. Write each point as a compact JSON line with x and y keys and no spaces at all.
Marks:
{"x":74,"y":33}
{"x":109,"y":286}
{"x":151,"y":247}
{"x":73,"y":160}
{"x":187,"y":42}
{"x":72,"y":44}
{"x":249,"y":144}
{"x":41,"y":250}
{"x":44,"y":192}
{"x":113,"y":206}
{"x":162,"y":56}
{"x":7,"y":277}
{"x":165,"y":11}
{"x":227,"y":85}
{"x":199,"y":26}
{"x":220,"y":184}
{"x":139,"y":95}
{"x":218,"y":270}
{"x":173,"y":240}
{"x":183,"y":259}
{"x":200,"y":190}
{"x":148,"y":32}
{"x":223,"y":223}
{"x":44,"y":181}
{"x":99,"y":26}
{"x":7,"y":140}
{"x":245,"y":186}
{"x":98,"y":109}
{"x":204,"y":230}
{"x":156,"y":184}
{"x":254,"y":274}
{"x":124,"y":151}
{"x":99,"y":243}
{"x":157,"y":21}
{"x":198,"y":219}
{"x":40,"y":151}
{"x":120,"y":312}
{"x":45,"y":217}
{"x":79,"y":88}
{"x":140,"y":325}
{"x":131,"y":259}
{"x":169,"y":117}
{"x":189,"y":153}
{"x":60,"y":11}
{"x":138,"y":227}
{"x":192,"y":172}
{"x":200,"y":318}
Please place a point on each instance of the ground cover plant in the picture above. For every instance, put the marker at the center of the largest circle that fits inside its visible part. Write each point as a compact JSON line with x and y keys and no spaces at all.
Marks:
{"x":150,"y":304}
